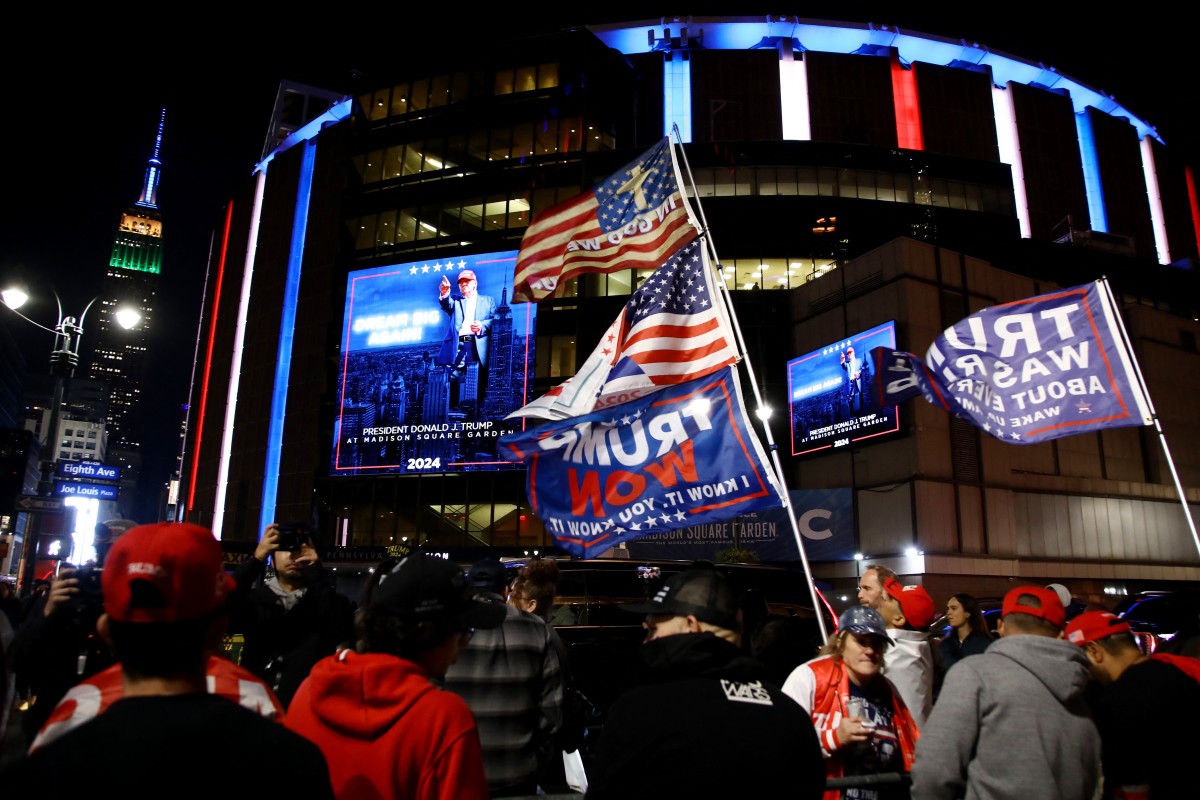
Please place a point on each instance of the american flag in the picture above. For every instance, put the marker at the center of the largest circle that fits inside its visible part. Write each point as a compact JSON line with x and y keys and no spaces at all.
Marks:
{"x":673,"y":329}
{"x":632,"y":220}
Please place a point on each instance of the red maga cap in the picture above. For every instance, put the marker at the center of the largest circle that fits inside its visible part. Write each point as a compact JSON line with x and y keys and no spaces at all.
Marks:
{"x":1092,"y":625}
{"x":165,"y":572}
{"x":1036,"y":602}
{"x":915,"y":603}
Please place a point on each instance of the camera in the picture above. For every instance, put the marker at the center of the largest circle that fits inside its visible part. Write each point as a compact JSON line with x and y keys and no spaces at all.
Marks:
{"x":292,"y":536}
{"x":91,"y":594}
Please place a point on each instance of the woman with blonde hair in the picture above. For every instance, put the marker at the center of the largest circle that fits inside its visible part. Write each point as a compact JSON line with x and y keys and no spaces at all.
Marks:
{"x":863,"y":725}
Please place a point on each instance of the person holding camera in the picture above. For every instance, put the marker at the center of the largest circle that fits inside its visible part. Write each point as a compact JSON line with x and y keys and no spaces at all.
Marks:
{"x":164,"y":598}
{"x":293,"y":616}
{"x":56,"y":646}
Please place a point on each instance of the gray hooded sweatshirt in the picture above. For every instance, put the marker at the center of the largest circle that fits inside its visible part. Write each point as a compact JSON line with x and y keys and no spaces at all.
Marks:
{"x":1011,"y":723}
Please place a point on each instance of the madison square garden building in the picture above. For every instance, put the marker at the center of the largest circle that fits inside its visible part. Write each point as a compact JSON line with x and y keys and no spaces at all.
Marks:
{"x":861,"y":186}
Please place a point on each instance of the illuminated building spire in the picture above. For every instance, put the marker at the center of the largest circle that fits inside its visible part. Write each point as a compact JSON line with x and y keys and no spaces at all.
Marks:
{"x":149,"y":198}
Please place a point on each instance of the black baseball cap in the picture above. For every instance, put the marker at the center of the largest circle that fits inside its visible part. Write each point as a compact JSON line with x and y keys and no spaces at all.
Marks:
{"x":424,"y":587}
{"x":487,"y":573}
{"x":703,"y":593}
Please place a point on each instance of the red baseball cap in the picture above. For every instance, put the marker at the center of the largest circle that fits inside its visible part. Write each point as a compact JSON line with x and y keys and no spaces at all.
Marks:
{"x":1036,"y":602}
{"x":915,"y":603}
{"x":466,"y":275}
{"x":165,"y":572}
{"x":1092,"y":625}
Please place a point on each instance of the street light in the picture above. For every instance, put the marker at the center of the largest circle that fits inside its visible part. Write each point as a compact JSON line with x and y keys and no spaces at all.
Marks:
{"x":64,"y":358}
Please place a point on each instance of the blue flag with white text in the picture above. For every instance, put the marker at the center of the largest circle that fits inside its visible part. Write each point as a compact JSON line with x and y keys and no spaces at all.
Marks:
{"x":684,"y":455}
{"x":1027,"y":371}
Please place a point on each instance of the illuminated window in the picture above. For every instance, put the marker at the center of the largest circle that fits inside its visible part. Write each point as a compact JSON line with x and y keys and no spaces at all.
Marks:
{"x":555,"y":356}
{"x":399,"y":100}
{"x":504,"y":82}
{"x":548,"y":76}
{"x":525,"y":79}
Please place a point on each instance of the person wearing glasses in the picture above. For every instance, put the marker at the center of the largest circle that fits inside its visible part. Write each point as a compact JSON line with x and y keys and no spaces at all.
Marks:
{"x":377,"y":712}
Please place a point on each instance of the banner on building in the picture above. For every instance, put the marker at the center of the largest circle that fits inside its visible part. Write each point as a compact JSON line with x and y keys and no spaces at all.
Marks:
{"x":434,"y":357}
{"x":682,"y":456}
{"x":1027,"y":371}
{"x":825,"y":518}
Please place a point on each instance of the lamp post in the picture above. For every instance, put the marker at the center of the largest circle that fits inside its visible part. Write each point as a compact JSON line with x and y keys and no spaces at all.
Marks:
{"x":64,"y":358}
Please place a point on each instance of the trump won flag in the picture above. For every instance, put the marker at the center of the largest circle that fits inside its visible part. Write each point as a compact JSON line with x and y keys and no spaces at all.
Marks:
{"x":685,"y":455}
{"x":631,"y":220}
{"x":1027,"y":371}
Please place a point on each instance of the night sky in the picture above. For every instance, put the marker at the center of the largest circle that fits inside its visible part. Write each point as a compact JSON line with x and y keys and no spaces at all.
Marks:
{"x":84,"y":102}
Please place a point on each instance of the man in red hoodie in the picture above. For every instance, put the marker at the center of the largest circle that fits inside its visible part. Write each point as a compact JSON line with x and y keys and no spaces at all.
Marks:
{"x":1140,"y":694}
{"x":385,"y":727}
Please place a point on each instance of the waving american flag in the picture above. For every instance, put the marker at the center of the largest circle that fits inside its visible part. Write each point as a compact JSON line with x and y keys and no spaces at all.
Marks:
{"x":631,"y":220}
{"x":674,"y":329}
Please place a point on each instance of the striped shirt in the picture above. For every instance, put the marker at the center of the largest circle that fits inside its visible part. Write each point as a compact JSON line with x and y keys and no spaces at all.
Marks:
{"x":512,"y":679}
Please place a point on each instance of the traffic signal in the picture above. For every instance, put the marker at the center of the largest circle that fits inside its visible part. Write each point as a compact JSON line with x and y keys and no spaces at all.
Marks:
{"x":55,"y":546}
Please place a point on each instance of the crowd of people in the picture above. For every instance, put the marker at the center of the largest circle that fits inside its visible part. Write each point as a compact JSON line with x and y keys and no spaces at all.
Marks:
{"x":443,"y":683}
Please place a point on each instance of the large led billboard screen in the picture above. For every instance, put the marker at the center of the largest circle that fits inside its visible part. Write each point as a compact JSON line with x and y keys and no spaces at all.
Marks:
{"x":433,"y":358}
{"x":830,"y":398}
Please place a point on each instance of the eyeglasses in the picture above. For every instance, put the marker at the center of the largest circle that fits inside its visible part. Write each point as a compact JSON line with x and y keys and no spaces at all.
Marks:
{"x":465,"y":635}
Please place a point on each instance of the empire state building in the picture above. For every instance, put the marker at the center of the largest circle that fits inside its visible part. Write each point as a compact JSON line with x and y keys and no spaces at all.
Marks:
{"x":119,"y":357}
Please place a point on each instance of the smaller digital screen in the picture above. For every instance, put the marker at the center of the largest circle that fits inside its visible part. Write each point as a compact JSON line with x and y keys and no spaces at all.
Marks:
{"x":830,"y":398}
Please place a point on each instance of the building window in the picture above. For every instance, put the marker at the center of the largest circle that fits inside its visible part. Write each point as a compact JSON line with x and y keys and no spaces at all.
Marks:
{"x":555,"y":356}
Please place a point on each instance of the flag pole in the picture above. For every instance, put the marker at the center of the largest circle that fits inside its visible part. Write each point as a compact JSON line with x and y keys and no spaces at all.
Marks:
{"x":818,"y":601}
{"x":1125,"y":341}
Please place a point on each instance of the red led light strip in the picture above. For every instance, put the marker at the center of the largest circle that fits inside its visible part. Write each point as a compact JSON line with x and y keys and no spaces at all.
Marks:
{"x":208,"y":356}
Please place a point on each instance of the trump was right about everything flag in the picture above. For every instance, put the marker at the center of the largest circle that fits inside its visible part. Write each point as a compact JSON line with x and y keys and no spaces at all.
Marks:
{"x":1027,"y":371}
{"x":673,"y":329}
{"x":631,"y":220}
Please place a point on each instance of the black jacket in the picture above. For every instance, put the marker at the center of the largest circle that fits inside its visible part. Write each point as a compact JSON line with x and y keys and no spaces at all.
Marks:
{"x":52,"y":654}
{"x":281,"y":647}
{"x":705,"y":724}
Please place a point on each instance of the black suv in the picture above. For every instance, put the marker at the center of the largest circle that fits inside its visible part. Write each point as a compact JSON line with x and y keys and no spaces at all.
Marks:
{"x":1166,"y":621}
{"x":602,"y":639}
